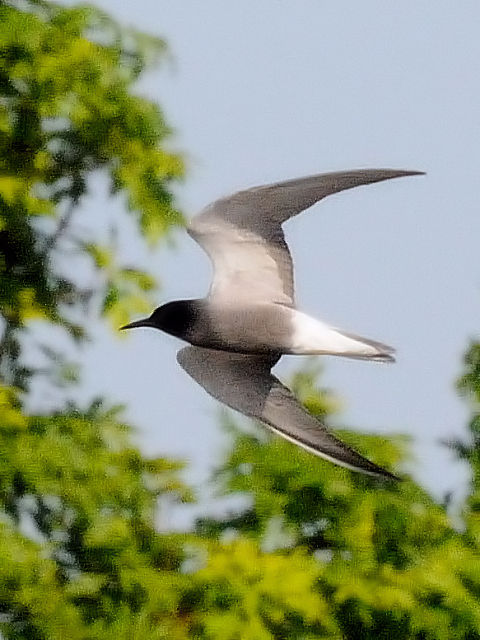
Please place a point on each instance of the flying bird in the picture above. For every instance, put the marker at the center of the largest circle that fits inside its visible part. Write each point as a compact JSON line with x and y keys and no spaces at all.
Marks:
{"x":249,"y":318}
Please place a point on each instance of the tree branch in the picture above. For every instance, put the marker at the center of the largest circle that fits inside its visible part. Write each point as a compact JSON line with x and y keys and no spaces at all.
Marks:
{"x":62,"y":226}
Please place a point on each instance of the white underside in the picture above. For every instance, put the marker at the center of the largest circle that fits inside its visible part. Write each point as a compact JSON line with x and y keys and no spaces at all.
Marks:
{"x":311,"y":336}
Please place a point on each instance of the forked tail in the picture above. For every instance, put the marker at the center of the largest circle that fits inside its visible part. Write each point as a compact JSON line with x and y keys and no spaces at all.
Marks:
{"x":369,"y":349}
{"x":314,"y":337}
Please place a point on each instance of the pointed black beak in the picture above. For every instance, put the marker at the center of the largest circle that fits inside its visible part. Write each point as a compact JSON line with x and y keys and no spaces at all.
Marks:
{"x":138,"y":323}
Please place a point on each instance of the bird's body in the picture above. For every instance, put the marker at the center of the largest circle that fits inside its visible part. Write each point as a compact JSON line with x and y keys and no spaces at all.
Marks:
{"x":249,"y":318}
{"x":264,"y":329}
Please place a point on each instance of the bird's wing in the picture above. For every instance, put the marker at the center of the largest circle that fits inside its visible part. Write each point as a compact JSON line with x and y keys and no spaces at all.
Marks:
{"x":242,"y":233}
{"x":245,"y":383}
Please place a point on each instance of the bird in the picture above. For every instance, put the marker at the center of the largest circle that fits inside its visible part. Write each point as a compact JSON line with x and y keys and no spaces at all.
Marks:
{"x":249,"y":319}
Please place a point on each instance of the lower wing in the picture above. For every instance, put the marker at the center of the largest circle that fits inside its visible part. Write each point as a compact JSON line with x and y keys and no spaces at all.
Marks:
{"x":245,"y":383}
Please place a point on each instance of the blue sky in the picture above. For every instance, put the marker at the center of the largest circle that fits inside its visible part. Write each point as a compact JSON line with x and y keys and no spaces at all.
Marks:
{"x":265,"y":91}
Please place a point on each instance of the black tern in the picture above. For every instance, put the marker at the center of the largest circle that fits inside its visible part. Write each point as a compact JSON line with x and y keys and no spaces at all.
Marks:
{"x":249,"y":318}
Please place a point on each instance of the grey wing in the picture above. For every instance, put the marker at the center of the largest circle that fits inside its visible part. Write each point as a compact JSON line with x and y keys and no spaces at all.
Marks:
{"x":243,"y":237}
{"x":245,"y":383}
{"x":248,"y":264}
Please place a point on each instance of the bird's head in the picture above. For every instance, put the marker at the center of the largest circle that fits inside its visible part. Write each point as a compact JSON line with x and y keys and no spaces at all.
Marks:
{"x":175,"y":318}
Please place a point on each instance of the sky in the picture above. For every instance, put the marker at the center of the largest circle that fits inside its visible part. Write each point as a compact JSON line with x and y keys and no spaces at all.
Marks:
{"x":259,"y":92}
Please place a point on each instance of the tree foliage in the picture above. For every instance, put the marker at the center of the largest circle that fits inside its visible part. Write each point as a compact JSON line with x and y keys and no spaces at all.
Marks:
{"x":80,"y":555}
{"x":67,"y":111}
{"x":315,"y":552}
{"x":469,"y":385}
{"x":390,"y":563}
{"x":79,"y":504}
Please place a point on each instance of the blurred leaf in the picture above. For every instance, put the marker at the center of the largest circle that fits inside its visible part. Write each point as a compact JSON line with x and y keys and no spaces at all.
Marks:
{"x":68,"y":110}
{"x":390,"y":562}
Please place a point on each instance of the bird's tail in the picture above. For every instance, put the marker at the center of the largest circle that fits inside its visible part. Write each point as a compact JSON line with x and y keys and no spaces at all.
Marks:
{"x":366,"y":349}
{"x":314,"y":337}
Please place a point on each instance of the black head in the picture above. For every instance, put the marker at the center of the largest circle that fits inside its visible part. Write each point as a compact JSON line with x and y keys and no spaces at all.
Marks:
{"x":175,"y":318}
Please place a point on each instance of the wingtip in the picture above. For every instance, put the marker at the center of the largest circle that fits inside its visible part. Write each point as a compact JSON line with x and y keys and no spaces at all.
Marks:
{"x":369,"y":468}
{"x":401,"y":173}
{"x":383,"y":474}
{"x":415,"y":172}
{"x":388,"y":174}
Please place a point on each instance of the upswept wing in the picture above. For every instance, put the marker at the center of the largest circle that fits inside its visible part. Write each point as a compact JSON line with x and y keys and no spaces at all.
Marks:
{"x":245,"y":383}
{"x":242,"y":233}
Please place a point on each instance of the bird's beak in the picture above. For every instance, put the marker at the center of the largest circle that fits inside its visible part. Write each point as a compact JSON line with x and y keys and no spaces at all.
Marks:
{"x":138,"y":323}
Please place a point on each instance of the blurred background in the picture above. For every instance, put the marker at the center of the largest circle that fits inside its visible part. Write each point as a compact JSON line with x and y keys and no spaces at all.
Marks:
{"x":126,"y":494}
